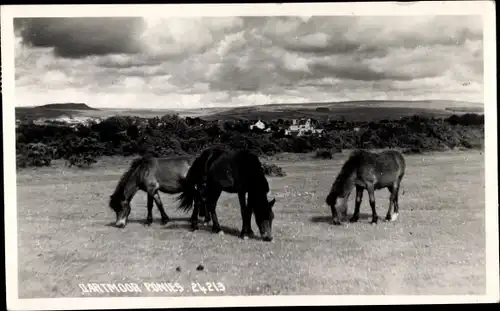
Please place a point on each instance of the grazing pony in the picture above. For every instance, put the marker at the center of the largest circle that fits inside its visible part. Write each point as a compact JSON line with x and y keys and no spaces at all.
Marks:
{"x":153,"y":175}
{"x":370,"y":171}
{"x":241,"y":172}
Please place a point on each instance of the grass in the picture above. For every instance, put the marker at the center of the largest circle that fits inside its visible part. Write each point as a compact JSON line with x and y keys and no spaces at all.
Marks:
{"x":437,"y":245}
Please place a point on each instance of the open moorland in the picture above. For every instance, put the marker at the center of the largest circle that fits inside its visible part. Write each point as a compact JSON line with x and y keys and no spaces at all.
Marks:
{"x":66,"y":173}
{"x":437,"y":246}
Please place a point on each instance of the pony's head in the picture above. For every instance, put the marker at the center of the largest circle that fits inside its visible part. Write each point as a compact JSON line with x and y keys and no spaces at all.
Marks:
{"x":121,"y":207}
{"x":337,"y":201}
{"x":264,"y":215}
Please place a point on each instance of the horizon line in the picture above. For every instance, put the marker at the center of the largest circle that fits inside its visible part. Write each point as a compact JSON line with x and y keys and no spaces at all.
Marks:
{"x":268,"y":104}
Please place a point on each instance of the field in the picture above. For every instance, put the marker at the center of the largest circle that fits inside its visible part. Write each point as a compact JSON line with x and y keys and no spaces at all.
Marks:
{"x":437,"y":245}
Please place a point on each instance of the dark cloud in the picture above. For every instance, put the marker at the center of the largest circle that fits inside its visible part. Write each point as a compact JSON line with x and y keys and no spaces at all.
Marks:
{"x":77,"y":37}
{"x":331,"y":47}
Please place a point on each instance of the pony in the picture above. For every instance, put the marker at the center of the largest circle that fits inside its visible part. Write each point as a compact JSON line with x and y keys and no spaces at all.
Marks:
{"x":232,"y":171}
{"x":368,"y":171}
{"x":153,"y":175}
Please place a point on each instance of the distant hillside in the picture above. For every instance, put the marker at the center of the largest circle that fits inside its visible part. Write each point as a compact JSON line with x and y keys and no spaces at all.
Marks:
{"x":466,"y":109}
{"x":358,"y":114}
{"x":350,"y":111}
{"x":371,"y":110}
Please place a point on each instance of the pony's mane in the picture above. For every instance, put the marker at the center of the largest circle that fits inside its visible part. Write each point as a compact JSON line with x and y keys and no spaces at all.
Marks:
{"x":255,"y":170}
{"x":126,"y":176}
{"x":346,"y":170}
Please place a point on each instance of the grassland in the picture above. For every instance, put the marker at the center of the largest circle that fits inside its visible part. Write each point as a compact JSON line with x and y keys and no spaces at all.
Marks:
{"x":437,"y":246}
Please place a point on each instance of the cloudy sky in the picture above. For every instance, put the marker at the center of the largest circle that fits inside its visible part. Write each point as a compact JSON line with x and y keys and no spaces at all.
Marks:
{"x":221,"y":61}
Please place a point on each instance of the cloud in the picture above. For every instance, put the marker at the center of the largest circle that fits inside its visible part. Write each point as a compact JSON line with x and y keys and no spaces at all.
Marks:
{"x":83,"y":36}
{"x":192,"y":62}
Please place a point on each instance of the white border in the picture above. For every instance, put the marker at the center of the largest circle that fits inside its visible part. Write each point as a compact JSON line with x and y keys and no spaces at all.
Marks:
{"x":484,"y":8}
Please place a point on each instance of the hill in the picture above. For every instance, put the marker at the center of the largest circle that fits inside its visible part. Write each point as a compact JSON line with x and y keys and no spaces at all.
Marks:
{"x":360,"y":111}
{"x":53,"y":111}
{"x":67,"y":106}
{"x":350,"y":111}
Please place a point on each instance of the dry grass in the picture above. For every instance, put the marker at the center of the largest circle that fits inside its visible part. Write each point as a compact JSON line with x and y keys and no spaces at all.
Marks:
{"x":437,"y":246}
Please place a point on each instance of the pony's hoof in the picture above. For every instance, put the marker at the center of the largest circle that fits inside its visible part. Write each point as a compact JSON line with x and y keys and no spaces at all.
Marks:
{"x":220,"y":232}
{"x":354,"y":219}
{"x":148,"y":223}
{"x":394,"y":217}
{"x":247,"y":235}
{"x":374,"y":222}
{"x":165,"y":221}
{"x":336,"y":222}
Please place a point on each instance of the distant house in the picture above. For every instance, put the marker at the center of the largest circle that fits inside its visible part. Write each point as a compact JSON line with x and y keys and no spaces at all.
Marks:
{"x":258,"y":125}
{"x":303,"y":127}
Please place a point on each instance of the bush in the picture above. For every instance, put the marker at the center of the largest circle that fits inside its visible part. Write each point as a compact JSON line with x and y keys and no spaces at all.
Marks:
{"x":81,"y":160}
{"x":171,"y":135}
{"x":34,"y":154}
{"x":323,"y":154}
{"x":83,"y":152}
{"x":413,"y":150}
{"x":273,"y":170}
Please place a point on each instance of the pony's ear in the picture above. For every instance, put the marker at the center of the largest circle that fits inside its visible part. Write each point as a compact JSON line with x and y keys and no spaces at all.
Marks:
{"x":271,"y":203}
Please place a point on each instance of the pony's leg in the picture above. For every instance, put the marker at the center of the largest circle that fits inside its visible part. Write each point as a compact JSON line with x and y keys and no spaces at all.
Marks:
{"x":392,"y":191}
{"x":335,"y":215}
{"x":208,"y":218}
{"x":395,"y":214}
{"x":359,"y":199}
{"x":194,"y":216}
{"x":164,"y":217}
{"x":371,"y":194}
{"x":203,"y":211}
{"x":246,"y":216}
{"x":149,"y":219}
{"x":213,"y":197}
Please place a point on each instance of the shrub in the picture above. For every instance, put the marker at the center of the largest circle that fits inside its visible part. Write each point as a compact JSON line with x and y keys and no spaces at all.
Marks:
{"x":323,"y":154}
{"x":34,"y":154}
{"x":413,"y":150}
{"x":273,"y":170}
{"x":83,"y":152}
{"x":81,"y":160}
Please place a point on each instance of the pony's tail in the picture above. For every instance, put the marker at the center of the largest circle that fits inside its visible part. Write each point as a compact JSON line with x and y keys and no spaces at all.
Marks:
{"x":188,"y":186}
{"x":188,"y":195}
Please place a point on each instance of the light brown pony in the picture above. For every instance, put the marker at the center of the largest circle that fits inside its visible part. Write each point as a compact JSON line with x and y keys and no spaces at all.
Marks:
{"x":153,"y":175}
{"x":370,"y":171}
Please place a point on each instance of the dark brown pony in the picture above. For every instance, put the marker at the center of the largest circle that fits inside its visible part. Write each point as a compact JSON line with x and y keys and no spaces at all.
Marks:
{"x":241,"y":172}
{"x":367,"y":171}
{"x":153,"y":175}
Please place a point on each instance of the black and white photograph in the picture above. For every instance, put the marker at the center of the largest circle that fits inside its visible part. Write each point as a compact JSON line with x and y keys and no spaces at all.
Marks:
{"x":294,"y":154}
